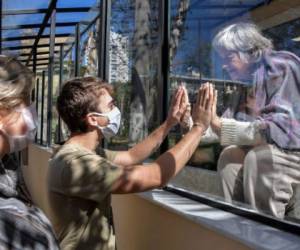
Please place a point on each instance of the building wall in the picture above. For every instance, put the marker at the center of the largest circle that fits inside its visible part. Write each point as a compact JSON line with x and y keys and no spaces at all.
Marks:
{"x":119,"y":58}
{"x":141,"y":224}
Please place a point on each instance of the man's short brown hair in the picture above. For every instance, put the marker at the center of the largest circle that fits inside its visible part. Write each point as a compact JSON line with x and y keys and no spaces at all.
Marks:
{"x":78,"y":97}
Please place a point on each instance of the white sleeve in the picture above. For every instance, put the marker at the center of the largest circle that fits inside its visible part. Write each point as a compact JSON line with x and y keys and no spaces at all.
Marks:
{"x":235,"y":132}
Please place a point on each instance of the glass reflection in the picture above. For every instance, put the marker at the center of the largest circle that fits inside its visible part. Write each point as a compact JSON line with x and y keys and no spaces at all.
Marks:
{"x":133,"y":68}
{"x":253,"y":144}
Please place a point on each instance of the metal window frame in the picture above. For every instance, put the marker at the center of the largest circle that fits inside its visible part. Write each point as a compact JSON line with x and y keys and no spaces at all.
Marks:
{"x":44,"y":11}
{"x":50,"y":75}
{"x":37,"y":103}
{"x":165,"y":64}
{"x":77,"y":50}
{"x":42,"y":106}
{"x":19,"y":38}
{"x":103,"y":43}
{"x":61,"y":68}
{"x":37,"y":25}
{"x":48,"y":15}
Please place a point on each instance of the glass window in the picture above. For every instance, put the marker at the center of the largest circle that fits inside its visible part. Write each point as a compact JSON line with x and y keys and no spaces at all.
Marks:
{"x":42,"y":99}
{"x":55,"y":127}
{"x":133,"y":68}
{"x":249,"y":50}
{"x":89,"y":51}
{"x":69,"y":64}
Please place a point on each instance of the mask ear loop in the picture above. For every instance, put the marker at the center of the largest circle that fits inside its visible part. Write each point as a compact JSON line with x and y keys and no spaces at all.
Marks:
{"x":30,"y":117}
{"x":98,"y":114}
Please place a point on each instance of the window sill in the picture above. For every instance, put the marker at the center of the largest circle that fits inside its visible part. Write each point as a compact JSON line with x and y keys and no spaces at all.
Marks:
{"x":251,"y":233}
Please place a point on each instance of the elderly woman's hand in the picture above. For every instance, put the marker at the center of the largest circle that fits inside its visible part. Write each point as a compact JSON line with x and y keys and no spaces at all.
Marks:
{"x":215,"y":119}
{"x":202,"y":110}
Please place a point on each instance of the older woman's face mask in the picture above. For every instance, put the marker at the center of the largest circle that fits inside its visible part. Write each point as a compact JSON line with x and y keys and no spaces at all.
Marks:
{"x":235,"y":66}
{"x":19,"y":127}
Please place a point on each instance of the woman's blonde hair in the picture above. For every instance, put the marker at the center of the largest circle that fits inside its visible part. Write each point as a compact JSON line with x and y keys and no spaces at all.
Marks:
{"x":16,"y":82}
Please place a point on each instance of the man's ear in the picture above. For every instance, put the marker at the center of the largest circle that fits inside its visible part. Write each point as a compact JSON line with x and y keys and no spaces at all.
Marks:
{"x":91,"y":120}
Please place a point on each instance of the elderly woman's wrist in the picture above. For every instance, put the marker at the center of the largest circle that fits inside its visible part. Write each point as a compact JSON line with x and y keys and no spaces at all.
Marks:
{"x":216,"y":123}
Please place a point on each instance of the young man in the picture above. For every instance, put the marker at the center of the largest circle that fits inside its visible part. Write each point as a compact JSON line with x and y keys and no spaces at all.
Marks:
{"x":81,"y":181}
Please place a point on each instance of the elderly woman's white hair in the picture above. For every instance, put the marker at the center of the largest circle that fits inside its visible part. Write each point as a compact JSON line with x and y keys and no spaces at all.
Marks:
{"x":16,"y":82}
{"x":243,"y":38}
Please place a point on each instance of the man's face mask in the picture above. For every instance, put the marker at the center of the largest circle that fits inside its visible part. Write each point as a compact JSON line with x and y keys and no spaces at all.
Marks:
{"x":114,"y":120}
{"x":19,"y":142}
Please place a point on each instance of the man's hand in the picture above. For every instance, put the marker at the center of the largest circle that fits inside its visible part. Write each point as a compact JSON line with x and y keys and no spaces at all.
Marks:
{"x":186,"y":121}
{"x":202,"y":110}
{"x":177,"y":108}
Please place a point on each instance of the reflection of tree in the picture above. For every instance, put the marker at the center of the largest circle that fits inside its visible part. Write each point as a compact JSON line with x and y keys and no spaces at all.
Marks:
{"x":122,"y":97}
{"x":144,"y":93}
{"x":69,"y":66}
{"x":89,"y":55}
{"x":178,"y":26}
{"x":138,"y":21}
{"x":200,"y":59}
{"x":190,"y":42}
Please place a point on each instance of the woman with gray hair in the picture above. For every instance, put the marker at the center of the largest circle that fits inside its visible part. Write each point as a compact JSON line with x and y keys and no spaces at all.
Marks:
{"x":22,"y":225}
{"x":260,"y":163}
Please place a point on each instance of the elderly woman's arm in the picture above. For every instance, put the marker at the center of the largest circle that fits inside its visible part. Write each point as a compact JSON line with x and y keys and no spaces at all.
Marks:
{"x":233,"y":132}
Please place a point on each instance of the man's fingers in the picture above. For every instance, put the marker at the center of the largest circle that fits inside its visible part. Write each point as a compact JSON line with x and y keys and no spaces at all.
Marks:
{"x":184,"y":98}
{"x":184,"y":93}
{"x":175,"y":96}
{"x":178,"y":98}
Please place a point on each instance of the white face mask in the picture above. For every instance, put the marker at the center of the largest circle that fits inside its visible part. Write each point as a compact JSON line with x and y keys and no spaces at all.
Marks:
{"x":114,"y":120}
{"x":19,"y":142}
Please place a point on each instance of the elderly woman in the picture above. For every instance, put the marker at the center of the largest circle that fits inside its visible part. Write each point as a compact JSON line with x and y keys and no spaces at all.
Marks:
{"x":22,"y":225}
{"x":260,"y":163}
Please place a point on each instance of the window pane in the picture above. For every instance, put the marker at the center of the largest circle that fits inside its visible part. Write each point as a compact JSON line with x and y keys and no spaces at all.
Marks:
{"x":69,"y":65}
{"x":133,"y":68}
{"x":89,"y":51}
{"x":251,"y":158}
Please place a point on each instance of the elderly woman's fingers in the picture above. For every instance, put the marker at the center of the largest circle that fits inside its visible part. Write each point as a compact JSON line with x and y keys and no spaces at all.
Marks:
{"x":205,"y":95}
{"x":210,"y":100}
{"x":215,"y":97}
{"x":198,"y":96}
